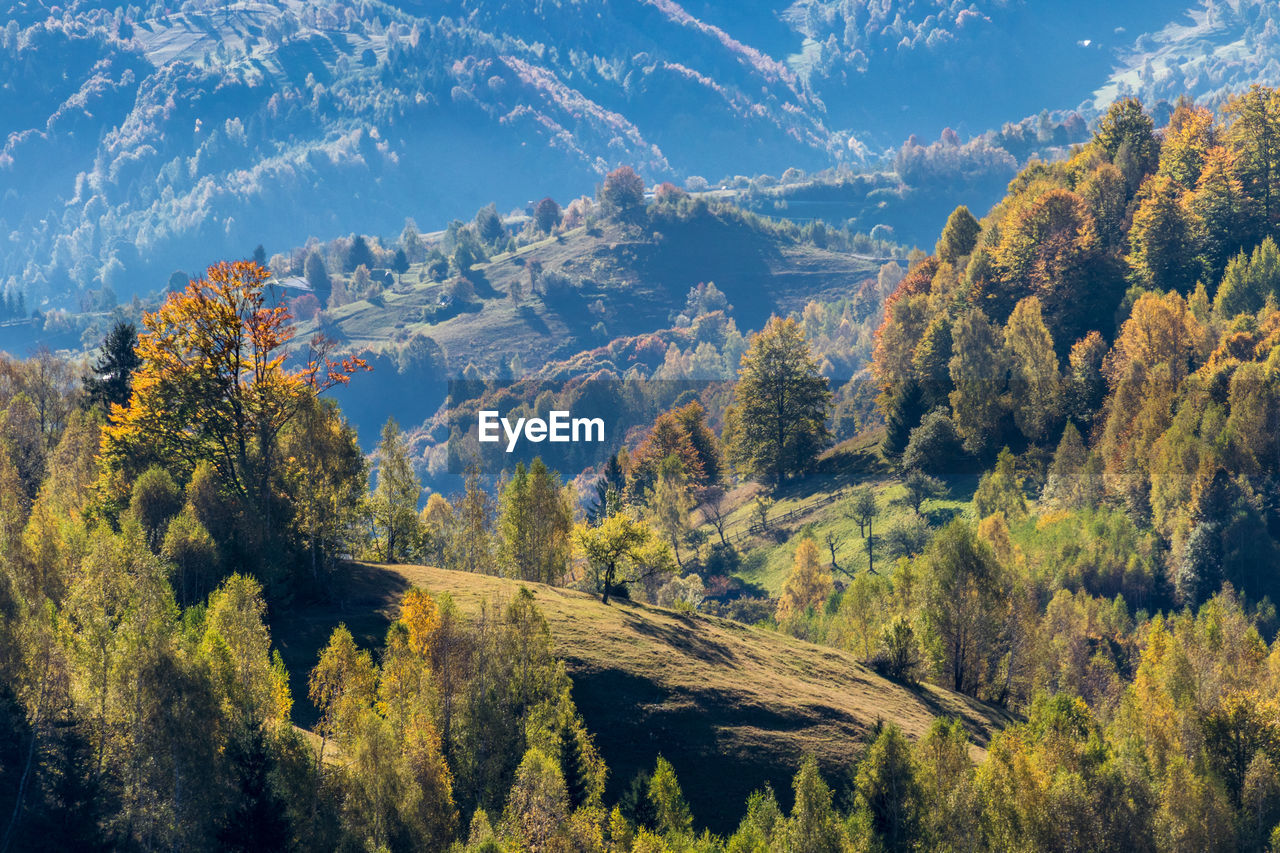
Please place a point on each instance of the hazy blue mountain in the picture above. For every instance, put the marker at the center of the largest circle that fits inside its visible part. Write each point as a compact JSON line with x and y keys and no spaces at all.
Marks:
{"x":137,"y":141}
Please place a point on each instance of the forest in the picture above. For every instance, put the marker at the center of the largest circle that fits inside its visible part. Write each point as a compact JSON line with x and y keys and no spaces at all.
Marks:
{"x":1079,"y":396}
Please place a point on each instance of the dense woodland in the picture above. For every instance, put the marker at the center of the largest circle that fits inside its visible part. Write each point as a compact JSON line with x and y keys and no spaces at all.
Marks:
{"x":1097,"y":358}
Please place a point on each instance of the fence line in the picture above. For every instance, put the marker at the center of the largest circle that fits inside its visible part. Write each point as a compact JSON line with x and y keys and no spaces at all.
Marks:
{"x":754,"y":528}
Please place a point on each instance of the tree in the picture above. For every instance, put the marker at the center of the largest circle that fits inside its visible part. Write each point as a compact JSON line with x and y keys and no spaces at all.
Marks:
{"x":1034,"y":384}
{"x":978,"y":372}
{"x":621,"y":550}
{"x":934,"y":446}
{"x":963,"y":591}
{"x":1253,"y":136}
{"x":1000,"y":490}
{"x":111,"y":381}
{"x":712,"y":501}
{"x":212,"y":387}
{"x":692,"y":419}
{"x":863,"y":510}
{"x":360,"y":254}
{"x":920,"y":487}
{"x":1229,"y":216}
{"x":1062,"y":487}
{"x":539,"y":801}
{"x":889,"y":792}
{"x":621,"y":195}
{"x":1163,"y":244}
{"x":670,"y":504}
{"x":1126,"y":134}
{"x":1085,"y":386}
{"x":777,"y":424}
{"x":535,"y":520}
{"x":932,"y":363}
{"x":546,"y":215}
{"x":400,"y":264}
{"x":959,"y":235}
{"x":472,"y":536}
{"x":672,"y":814}
{"x":807,"y":586}
{"x":1247,"y":282}
{"x":813,"y":825}
{"x":394,"y":503}
{"x":904,"y":407}
{"x":489,"y":226}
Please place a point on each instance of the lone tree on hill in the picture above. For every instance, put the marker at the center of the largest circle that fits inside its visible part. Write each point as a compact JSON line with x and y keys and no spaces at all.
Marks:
{"x":622,"y":193}
{"x":620,"y":550}
{"x":777,"y":424}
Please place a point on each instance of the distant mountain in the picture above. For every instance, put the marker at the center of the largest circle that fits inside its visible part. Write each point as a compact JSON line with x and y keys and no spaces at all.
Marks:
{"x":136,"y":142}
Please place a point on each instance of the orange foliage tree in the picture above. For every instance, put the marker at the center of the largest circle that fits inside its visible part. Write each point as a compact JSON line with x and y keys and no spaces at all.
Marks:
{"x":213,"y":384}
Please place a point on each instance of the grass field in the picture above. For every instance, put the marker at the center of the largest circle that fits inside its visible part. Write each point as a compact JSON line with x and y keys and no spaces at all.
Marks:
{"x":731,"y":706}
{"x":821,"y":504}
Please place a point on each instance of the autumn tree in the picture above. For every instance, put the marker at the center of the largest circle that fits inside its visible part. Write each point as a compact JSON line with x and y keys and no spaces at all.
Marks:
{"x":621,"y":195}
{"x":777,"y":424}
{"x":1034,"y":385}
{"x":546,"y":215}
{"x":807,"y":586}
{"x":621,"y":550}
{"x":213,"y":387}
{"x":959,"y":235}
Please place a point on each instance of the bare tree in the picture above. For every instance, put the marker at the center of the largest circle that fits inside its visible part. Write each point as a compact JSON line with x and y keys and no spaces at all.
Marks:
{"x":715,"y":508}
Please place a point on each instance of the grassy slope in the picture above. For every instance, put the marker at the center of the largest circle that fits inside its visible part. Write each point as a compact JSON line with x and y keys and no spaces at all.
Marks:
{"x":854,"y":463}
{"x":642,"y":280}
{"x":731,"y":706}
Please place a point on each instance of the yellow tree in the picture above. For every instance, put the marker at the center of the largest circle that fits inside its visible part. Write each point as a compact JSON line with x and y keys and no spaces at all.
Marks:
{"x":1034,"y":383}
{"x":622,"y":549}
{"x":808,"y":585}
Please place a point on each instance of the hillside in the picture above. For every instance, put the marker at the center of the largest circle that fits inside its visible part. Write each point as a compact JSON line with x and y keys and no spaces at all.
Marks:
{"x":175,"y":136}
{"x":731,"y":706}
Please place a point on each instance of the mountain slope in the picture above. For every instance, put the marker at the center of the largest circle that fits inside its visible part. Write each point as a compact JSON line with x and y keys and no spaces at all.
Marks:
{"x":744,"y":704}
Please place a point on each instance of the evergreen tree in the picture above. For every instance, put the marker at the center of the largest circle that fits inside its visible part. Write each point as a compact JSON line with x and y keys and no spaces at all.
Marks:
{"x":932,"y":363}
{"x":360,"y":255}
{"x":111,"y":381}
{"x":905,"y":408}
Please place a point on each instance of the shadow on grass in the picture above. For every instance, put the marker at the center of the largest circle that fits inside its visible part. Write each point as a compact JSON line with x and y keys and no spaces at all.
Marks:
{"x":688,"y":637}
{"x":362,"y":599}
